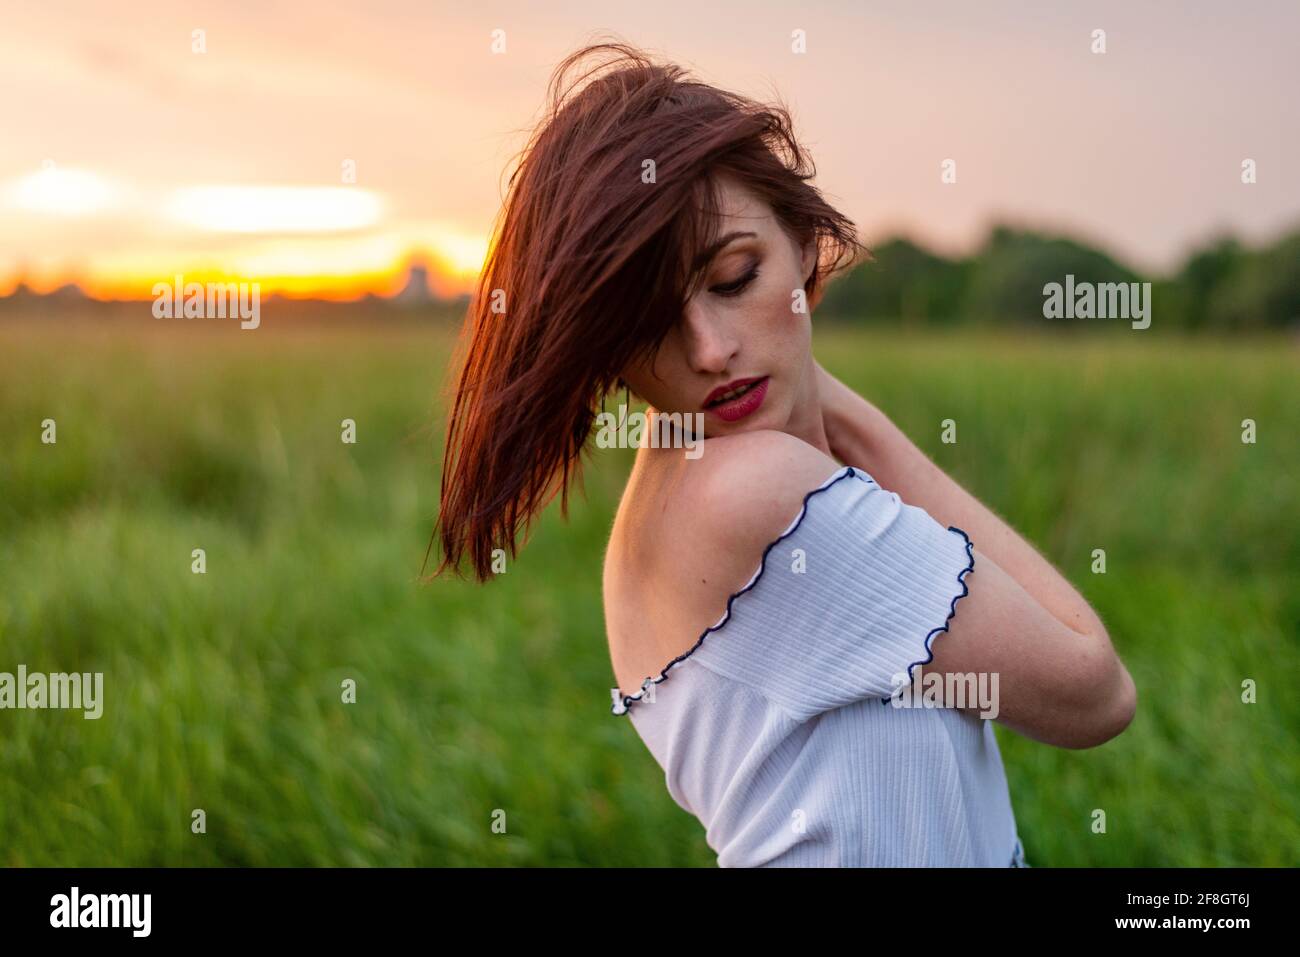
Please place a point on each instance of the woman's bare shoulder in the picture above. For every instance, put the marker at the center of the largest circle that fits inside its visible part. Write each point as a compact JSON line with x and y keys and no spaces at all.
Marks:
{"x":717,"y":517}
{"x":696,"y":531}
{"x":746,"y":488}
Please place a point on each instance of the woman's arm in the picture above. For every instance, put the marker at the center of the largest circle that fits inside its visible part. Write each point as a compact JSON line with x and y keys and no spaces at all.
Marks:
{"x":860,"y":434}
{"x":1057,"y":686}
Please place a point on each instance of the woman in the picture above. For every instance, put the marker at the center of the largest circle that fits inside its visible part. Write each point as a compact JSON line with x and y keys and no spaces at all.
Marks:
{"x":771,"y":612}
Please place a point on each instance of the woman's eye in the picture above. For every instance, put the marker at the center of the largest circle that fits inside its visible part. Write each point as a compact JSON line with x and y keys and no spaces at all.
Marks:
{"x":735,"y":286}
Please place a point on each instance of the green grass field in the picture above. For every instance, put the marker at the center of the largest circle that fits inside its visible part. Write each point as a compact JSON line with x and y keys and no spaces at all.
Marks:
{"x":222,"y":690}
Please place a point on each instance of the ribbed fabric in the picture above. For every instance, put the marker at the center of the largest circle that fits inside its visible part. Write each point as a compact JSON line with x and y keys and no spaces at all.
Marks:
{"x":776,"y":731}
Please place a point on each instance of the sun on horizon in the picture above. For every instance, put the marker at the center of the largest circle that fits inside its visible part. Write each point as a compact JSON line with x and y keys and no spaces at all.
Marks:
{"x":327,"y":242}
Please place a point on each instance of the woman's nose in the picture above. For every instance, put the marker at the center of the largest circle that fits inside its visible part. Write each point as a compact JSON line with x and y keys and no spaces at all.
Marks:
{"x":710,"y":345}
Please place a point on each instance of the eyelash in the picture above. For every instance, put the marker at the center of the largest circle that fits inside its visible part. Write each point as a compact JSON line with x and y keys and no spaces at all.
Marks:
{"x":738,"y":286}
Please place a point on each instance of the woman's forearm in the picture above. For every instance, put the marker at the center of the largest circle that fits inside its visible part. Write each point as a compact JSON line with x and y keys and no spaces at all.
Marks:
{"x":863,"y":436}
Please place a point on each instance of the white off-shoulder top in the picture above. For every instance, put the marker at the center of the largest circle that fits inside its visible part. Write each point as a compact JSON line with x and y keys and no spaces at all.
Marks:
{"x":778,"y":730}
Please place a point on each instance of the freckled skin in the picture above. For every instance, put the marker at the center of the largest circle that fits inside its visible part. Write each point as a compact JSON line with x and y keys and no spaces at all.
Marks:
{"x":755,"y":332}
{"x":720,"y":338}
{"x":1060,"y":680}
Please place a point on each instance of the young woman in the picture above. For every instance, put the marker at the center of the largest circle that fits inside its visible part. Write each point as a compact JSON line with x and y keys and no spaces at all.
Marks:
{"x":775,"y":602}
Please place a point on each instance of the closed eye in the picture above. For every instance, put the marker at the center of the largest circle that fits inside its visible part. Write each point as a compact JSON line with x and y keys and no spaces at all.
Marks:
{"x":736,"y":286}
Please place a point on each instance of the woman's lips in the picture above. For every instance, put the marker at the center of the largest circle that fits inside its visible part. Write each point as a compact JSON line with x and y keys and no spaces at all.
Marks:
{"x":742,"y":405}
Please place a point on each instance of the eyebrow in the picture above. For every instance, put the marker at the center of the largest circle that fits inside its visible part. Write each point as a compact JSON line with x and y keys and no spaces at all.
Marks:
{"x":709,"y":252}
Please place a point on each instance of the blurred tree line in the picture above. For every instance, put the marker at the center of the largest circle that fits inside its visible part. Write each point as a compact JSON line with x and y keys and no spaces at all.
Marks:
{"x":1223,"y":286}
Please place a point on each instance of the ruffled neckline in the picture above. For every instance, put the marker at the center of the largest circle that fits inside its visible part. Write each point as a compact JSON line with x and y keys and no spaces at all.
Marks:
{"x":622,"y":703}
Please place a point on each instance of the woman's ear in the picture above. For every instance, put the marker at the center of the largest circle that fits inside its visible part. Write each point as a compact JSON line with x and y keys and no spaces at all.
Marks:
{"x":809,"y":262}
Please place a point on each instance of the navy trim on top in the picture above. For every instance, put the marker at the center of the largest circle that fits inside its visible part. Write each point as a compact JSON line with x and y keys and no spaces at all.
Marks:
{"x":628,"y":700}
{"x":952,"y":610}
{"x":847,"y":470}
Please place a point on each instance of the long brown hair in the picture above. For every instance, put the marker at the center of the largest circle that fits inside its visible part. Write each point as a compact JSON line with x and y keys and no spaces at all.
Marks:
{"x":593,"y":258}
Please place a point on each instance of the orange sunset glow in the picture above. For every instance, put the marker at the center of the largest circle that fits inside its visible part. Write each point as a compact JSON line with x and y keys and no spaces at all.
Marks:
{"x":322,"y":242}
{"x":322,"y":152}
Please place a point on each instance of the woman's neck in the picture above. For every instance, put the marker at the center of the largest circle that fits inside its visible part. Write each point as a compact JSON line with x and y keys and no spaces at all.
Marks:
{"x":806,"y":420}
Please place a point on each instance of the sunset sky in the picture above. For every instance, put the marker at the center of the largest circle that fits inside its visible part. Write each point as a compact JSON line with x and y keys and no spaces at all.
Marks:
{"x":126,"y":157}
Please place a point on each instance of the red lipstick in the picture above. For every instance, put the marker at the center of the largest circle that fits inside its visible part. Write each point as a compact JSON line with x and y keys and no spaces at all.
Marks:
{"x":743,"y":396}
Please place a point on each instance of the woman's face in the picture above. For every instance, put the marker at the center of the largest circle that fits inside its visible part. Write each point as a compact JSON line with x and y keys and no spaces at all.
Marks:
{"x":740,"y":328}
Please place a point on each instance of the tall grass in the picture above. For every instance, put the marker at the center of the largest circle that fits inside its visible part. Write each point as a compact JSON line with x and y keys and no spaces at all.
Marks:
{"x":222,"y":690}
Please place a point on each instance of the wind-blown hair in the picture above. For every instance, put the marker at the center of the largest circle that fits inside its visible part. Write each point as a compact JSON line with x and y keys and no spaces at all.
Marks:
{"x":593,"y":258}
